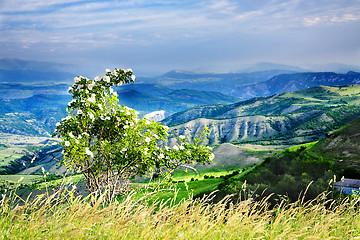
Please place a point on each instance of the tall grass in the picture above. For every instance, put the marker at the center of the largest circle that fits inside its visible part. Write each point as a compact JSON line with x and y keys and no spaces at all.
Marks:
{"x":63,"y":216}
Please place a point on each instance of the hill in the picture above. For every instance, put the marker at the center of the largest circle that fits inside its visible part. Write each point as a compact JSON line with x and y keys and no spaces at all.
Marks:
{"x":295,"y":117}
{"x":342,"y":146}
{"x":290,"y":172}
{"x":37,"y":115}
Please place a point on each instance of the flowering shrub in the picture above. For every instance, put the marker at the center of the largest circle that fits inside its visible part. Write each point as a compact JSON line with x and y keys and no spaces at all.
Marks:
{"x":109,"y":144}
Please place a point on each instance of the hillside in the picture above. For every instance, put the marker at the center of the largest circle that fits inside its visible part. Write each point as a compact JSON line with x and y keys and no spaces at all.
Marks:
{"x":343,"y":146}
{"x":301,"y":116}
{"x":290,"y":172}
{"x":170,"y":101}
{"x":37,"y":115}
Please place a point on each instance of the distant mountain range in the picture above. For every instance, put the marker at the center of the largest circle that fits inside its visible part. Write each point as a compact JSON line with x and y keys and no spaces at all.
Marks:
{"x":25,"y":71}
{"x":253,"y":84}
{"x":295,"y":81}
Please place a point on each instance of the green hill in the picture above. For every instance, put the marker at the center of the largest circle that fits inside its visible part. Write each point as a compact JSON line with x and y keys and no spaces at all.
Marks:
{"x":290,"y":118}
{"x":291,"y":171}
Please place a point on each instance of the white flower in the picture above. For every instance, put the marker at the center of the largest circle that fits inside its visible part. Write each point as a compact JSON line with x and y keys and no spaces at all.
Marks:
{"x":100,"y":106}
{"x":182,"y":137}
{"x":111,"y":90}
{"x":181,"y":147}
{"x":124,"y":150}
{"x":161,"y":156}
{"x":67,"y":143}
{"x":147,"y":139}
{"x":97,"y":78}
{"x":107,"y":118}
{"x":147,"y":122}
{"x":107,"y":70}
{"x":76,"y":141}
{"x":77,"y":79}
{"x":72,"y":101}
{"x":57,"y":124}
{"x":90,"y":86}
{"x":133,"y":77}
{"x":176,"y":147}
{"x":210,"y":148}
{"x":126,"y":126}
{"x":125,"y":134}
{"x":79,"y":112}
{"x":115,"y":94}
{"x":91,"y":116}
{"x":92,"y":100}
{"x":71,"y":135}
{"x":88,"y":152}
{"x":166,"y":128}
{"x":128,"y":70}
{"x":167,"y":148}
{"x":212,"y":156}
{"x":128,"y":113}
{"x":106,"y":79}
{"x":70,"y":89}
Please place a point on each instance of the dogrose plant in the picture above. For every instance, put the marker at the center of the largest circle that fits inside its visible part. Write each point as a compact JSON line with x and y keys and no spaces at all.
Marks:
{"x":109,"y":143}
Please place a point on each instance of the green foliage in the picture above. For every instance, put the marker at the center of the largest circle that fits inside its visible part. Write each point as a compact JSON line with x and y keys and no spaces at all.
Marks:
{"x":64,"y":216}
{"x":287,"y":174}
{"x":109,"y":144}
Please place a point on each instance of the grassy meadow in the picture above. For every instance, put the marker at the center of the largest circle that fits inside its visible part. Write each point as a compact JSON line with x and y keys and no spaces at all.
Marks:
{"x":63,"y":216}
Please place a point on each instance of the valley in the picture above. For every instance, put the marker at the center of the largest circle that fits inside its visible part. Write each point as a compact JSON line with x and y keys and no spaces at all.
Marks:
{"x":251,"y":116}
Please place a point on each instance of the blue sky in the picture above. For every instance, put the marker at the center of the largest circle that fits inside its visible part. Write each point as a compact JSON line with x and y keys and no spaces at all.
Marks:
{"x":157,"y":36}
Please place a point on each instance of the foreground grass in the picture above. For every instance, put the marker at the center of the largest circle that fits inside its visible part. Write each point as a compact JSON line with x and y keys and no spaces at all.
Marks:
{"x":65,"y":217}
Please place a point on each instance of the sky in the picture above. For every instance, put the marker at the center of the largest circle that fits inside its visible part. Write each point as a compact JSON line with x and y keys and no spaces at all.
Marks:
{"x":156,"y":36}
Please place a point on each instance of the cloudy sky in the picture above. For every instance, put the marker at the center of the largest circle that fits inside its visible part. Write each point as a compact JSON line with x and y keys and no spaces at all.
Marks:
{"x":155,"y":36}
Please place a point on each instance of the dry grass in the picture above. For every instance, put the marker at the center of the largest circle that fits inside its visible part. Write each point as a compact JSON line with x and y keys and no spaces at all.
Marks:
{"x":76,"y":218}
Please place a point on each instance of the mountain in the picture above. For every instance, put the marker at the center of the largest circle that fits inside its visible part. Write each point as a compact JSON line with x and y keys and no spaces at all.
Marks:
{"x":25,"y":90}
{"x":252,"y":84}
{"x":218,"y":82}
{"x":295,"y":81}
{"x":34,"y":116}
{"x":175,"y":101}
{"x":38,"y":114}
{"x":292,"y":117}
{"x":27,"y":71}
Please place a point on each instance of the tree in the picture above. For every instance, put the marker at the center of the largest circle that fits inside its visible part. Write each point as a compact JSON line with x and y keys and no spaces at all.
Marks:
{"x":109,"y":143}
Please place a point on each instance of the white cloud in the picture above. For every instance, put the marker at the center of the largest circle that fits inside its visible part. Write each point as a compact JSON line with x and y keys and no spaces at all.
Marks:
{"x":308,"y":22}
{"x":182,"y":27}
{"x":31,"y":5}
{"x":345,"y":18}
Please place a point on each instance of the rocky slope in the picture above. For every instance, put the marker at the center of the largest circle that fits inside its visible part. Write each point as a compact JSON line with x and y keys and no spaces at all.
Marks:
{"x":301,"y":116}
